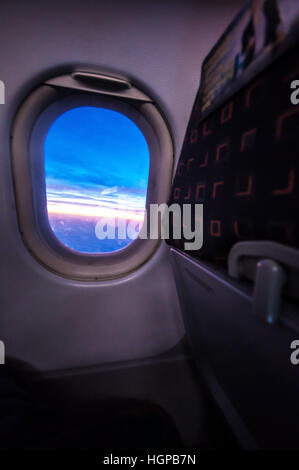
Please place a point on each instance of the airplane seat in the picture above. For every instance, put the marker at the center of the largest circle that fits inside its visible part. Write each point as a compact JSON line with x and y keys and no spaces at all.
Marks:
{"x":238,"y":292}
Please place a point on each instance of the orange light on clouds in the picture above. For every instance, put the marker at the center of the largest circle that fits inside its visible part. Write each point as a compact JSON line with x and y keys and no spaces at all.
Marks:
{"x":93,"y":211}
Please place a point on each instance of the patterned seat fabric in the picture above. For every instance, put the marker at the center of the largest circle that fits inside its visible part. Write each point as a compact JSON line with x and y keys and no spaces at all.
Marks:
{"x":242,"y":163}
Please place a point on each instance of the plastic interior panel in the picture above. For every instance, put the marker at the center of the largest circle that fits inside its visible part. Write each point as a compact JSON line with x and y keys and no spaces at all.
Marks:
{"x":247,"y":357}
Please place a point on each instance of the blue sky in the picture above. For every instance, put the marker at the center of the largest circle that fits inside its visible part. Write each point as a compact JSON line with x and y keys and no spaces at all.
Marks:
{"x":95,"y":157}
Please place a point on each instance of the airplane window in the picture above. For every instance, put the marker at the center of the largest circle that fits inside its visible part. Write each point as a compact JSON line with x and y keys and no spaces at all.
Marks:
{"x":98,"y":153}
{"x":96,"y":173}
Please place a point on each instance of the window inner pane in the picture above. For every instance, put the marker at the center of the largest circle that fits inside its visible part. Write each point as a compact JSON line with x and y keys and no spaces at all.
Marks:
{"x":96,"y":171}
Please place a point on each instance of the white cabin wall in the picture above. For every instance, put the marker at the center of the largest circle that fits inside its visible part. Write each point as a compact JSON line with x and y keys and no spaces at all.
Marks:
{"x":46,"y":320}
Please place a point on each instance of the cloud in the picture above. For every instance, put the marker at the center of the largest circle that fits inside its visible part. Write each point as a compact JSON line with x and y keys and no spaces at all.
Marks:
{"x":109,"y":190}
{"x":95,"y":159}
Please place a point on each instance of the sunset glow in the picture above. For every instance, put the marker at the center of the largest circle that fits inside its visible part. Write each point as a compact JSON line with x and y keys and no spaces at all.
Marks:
{"x":96,"y":166}
{"x":93,"y":211}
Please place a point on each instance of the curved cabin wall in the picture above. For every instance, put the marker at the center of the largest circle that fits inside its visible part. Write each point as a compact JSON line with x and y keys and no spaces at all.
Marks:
{"x":48,"y":321}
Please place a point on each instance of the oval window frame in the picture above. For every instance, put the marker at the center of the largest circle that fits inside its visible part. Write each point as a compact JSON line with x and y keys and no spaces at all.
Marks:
{"x":31,"y":123}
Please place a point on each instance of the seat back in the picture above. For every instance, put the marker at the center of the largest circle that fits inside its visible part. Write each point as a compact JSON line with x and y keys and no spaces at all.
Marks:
{"x":240,"y":154}
{"x":240,"y":160}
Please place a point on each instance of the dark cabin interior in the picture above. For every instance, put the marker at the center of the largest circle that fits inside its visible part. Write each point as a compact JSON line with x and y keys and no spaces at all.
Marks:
{"x":174,"y":343}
